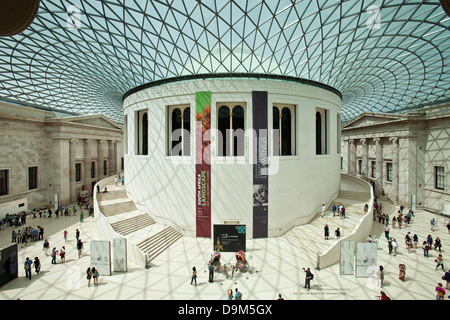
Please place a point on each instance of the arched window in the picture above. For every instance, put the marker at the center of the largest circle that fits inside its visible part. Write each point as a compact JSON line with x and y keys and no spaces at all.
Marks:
{"x":238,"y":131}
{"x":179,"y":131}
{"x":142,"y":132}
{"x":231,"y":126}
{"x":283,"y":127}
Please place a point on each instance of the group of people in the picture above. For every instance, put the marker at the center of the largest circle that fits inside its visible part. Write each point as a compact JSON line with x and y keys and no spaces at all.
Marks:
{"x":338,"y":210}
{"x":27,"y":234}
{"x":92,"y":274}
{"x":337,"y":232}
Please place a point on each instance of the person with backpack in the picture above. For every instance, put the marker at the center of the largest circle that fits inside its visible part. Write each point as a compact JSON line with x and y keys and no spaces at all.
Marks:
{"x":308,"y":277}
{"x":27,"y":266}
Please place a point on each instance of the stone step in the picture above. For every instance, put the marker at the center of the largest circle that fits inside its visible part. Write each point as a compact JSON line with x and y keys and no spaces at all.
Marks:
{"x":117,"y":208}
{"x":159,"y":242}
{"x":130,"y":225}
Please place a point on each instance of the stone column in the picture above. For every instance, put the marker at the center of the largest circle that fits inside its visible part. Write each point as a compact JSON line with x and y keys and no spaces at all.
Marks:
{"x":351,"y":157}
{"x":395,"y":167}
{"x":112,"y":157}
{"x":365,"y":158}
{"x":100,"y":158}
{"x":87,"y":165}
{"x":72,"y":171}
{"x":379,"y":161}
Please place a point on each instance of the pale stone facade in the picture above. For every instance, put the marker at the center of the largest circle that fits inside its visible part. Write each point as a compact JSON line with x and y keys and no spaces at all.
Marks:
{"x":54,"y":145}
{"x":405,"y":156}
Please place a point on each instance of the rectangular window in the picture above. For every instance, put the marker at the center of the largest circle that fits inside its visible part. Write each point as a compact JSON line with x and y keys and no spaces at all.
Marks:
{"x":439,"y":178}
{"x":373,"y":169}
{"x":32,"y":178}
{"x":322,"y":137}
{"x":77,"y":172}
{"x":122,"y":164}
{"x":338,"y":133}
{"x":105,"y":167}
{"x":360,"y":167}
{"x":4,"y":182}
{"x":389,"y":171}
{"x":93,"y":169}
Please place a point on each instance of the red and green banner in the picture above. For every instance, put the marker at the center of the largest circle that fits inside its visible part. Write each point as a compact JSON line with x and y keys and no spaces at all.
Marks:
{"x":203,"y":163}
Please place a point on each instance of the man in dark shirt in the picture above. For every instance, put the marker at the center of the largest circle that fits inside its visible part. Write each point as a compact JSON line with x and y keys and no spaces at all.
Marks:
{"x":308,"y":278}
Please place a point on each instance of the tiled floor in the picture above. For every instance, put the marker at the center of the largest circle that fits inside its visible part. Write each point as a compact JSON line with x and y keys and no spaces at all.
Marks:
{"x":275,"y":264}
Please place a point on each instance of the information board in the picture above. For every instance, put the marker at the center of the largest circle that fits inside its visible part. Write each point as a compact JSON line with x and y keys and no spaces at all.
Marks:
{"x":229,"y":237}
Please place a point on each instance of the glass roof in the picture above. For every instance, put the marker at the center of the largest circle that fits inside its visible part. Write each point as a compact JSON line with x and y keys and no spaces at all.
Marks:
{"x":83,"y":56}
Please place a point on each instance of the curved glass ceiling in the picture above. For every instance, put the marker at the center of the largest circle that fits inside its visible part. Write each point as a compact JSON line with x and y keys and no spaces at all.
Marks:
{"x":83,"y":56}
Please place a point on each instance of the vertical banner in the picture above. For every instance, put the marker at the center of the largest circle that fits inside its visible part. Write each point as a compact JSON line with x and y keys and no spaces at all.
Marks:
{"x":347,"y":261}
{"x":260,"y":165}
{"x":203,"y":163}
{"x":366,"y":259}
{"x":101,"y":257}
{"x":120,"y":254}
{"x":9,"y":265}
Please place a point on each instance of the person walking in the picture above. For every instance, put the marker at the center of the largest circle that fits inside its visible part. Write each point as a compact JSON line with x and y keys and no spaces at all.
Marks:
{"x":390,"y":245}
{"x":65,"y":235}
{"x":446,"y":277}
{"x":440,"y":292}
{"x":394,"y":246}
{"x":62,"y":254}
{"x":27,"y":266}
{"x":77,"y":234}
{"x":37,"y":265}
{"x":440,"y":262}
{"x":415,"y":240}
{"x":13,"y":236}
{"x":426,"y":248}
{"x":327,"y":232}
{"x":80,"y":247}
{"x":380,"y":277}
{"x":194,"y":276}
{"x":89,"y":276}
{"x":54,"y":252}
{"x":211,"y":272}
{"x":386,"y":231}
{"x":46,"y":247}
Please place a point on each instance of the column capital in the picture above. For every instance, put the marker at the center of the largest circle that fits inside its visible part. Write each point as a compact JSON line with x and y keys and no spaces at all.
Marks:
{"x":351,"y":141}
{"x":394,"y":140}
{"x":377,"y":140}
{"x":88,"y":140}
{"x":363,"y":141}
{"x":73,"y":140}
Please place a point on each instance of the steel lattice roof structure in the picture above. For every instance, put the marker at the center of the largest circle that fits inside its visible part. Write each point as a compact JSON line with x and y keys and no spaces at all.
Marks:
{"x":83,"y":56}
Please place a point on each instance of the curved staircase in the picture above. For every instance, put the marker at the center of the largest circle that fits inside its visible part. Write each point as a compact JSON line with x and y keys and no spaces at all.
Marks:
{"x":137,"y":227}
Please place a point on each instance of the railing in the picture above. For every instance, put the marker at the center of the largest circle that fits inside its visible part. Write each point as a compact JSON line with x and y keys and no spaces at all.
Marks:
{"x":359,"y":233}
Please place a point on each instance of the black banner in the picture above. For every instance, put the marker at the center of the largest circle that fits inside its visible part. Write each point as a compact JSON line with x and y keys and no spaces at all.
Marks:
{"x":260,"y":165}
{"x":9,"y":268}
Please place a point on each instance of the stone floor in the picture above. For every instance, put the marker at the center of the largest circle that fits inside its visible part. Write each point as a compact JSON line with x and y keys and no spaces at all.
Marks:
{"x":276,"y":265}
